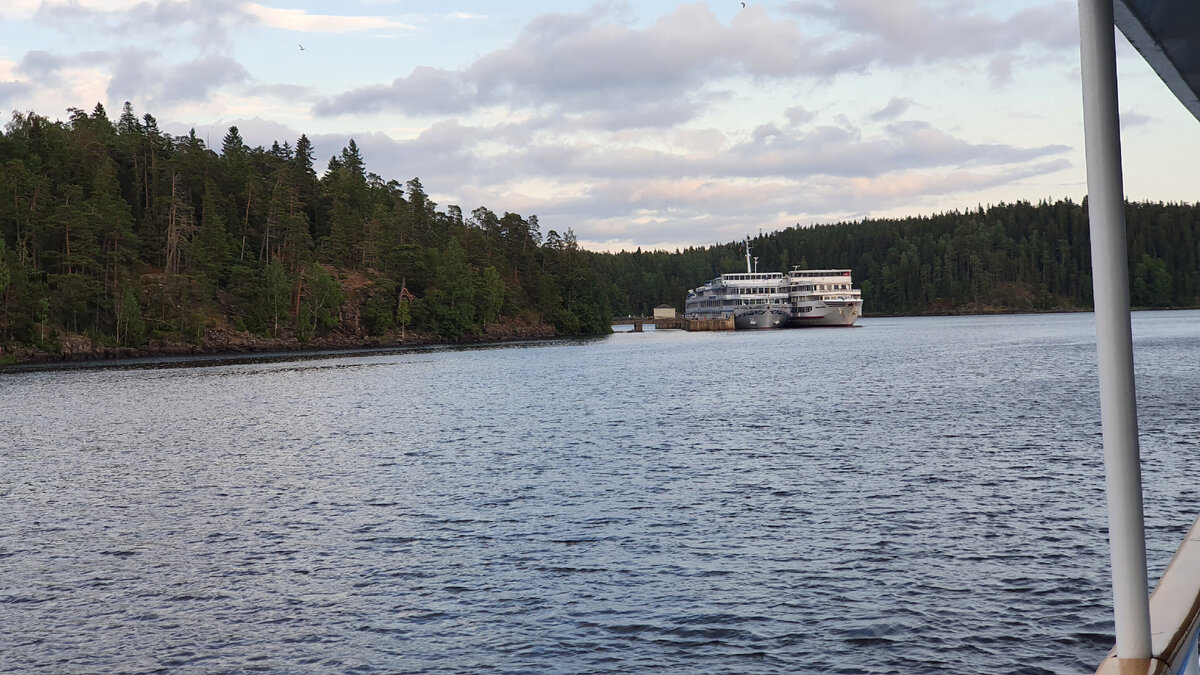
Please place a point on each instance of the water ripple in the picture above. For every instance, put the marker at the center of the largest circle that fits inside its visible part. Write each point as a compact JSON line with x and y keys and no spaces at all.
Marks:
{"x":916,"y":495}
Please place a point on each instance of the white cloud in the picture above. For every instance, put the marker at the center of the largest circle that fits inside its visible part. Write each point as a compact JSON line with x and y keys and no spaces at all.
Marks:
{"x":301,"y":21}
{"x":590,"y":62}
{"x":900,"y":32}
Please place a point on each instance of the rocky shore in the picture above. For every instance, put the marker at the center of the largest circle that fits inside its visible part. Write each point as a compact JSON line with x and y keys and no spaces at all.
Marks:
{"x":226,"y":341}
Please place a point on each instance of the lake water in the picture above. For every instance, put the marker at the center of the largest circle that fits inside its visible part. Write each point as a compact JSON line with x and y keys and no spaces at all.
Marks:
{"x":912,"y":495}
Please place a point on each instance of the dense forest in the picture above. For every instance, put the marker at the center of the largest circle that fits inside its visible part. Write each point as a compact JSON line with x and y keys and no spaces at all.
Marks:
{"x":1003,"y":258}
{"x":129,"y":237}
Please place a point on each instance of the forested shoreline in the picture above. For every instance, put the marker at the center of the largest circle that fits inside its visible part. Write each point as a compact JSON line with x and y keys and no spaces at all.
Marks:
{"x":117,"y":238}
{"x":1019,"y":257}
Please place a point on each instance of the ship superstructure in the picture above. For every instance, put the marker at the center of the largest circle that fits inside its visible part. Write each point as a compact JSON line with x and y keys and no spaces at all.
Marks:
{"x":774,"y":300}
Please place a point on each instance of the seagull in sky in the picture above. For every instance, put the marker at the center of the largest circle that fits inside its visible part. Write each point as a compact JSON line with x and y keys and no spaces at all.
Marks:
{"x":743,"y":5}
{"x":304,"y":50}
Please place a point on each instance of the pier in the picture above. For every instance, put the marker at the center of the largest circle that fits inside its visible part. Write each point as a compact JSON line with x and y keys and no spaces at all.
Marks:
{"x":674,"y":323}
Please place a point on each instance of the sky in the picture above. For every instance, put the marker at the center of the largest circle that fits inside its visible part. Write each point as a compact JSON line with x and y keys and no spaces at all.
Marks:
{"x":654,"y":124}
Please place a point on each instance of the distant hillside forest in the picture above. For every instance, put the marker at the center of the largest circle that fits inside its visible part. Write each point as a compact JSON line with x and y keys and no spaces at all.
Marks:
{"x":1004,"y":258}
{"x":129,"y":236}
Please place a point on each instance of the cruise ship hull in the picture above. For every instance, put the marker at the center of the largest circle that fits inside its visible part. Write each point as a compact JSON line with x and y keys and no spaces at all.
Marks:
{"x":761,"y":317}
{"x":841,"y":315}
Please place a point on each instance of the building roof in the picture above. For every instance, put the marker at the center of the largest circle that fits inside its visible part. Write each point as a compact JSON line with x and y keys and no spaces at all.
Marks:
{"x":1167,"y":34}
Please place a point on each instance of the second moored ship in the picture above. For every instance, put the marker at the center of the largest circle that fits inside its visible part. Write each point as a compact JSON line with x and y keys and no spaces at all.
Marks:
{"x":775,"y":300}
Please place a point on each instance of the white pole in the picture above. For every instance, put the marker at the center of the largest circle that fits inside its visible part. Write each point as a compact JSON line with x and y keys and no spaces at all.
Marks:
{"x":1114,"y":342}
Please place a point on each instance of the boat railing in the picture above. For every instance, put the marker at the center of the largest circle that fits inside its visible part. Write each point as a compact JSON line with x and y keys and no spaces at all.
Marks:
{"x":1174,"y":618}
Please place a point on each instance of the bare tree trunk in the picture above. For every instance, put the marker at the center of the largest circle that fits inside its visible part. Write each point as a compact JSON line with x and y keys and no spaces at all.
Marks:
{"x":246,"y":220}
{"x":171,"y":264}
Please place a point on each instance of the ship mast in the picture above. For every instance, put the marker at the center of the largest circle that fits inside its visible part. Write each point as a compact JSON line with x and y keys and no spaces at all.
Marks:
{"x":748,"y":270}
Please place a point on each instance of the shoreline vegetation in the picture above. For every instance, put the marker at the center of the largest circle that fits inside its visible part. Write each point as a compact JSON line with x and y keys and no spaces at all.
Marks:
{"x":118,"y":239}
{"x":80,"y":348}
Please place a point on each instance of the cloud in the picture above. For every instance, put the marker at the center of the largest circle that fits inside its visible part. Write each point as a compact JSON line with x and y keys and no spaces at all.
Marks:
{"x":581,"y":58}
{"x":13,"y":90}
{"x":777,"y":170}
{"x":426,"y":90}
{"x":588,"y":61}
{"x":16,"y":10}
{"x":42,"y":64}
{"x":301,"y":21}
{"x":903,"y":32}
{"x":666,"y":73}
{"x":643,"y":115}
{"x":134,"y":77}
{"x":895,"y":108}
{"x":843,"y":151}
{"x":1000,"y":70}
{"x":193,"y":80}
{"x":797,"y":116}
{"x":207,"y":21}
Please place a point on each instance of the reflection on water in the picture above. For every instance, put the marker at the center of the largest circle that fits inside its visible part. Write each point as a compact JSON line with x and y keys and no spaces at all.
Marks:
{"x":914,"y":495}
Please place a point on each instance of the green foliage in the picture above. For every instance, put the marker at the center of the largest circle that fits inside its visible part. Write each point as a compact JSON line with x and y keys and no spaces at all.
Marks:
{"x":125,"y":233}
{"x":320,"y":302}
{"x":451,"y":299}
{"x":271,"y":301}
{"x":130,"y":324}
{"x":1151,"y":283}
{"x":489,"y":296}
{"x":381,"y":308}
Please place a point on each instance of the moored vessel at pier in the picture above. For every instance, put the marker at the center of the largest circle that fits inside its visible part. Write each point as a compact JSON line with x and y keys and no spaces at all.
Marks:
{"x":822,"y":298}
{"x":776,"y":300}
{"x":755,"y":299}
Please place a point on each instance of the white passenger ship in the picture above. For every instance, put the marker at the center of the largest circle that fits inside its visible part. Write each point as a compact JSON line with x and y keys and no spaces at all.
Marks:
{"x":754,"y":299}
{"x":822,"y":298}
{"x":774,"y":300}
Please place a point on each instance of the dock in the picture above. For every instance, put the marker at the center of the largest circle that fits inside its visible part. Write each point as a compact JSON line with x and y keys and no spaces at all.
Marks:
{"x":708,"y":324}
{"x":674,"y":323}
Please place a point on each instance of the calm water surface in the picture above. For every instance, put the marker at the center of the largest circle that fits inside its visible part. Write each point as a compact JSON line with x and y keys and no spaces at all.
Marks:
{"x":911,"y":495}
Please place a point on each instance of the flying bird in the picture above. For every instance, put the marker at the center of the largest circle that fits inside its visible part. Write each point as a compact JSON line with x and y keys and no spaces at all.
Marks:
{"x":304,"y":50}
{"x":743,"y":5}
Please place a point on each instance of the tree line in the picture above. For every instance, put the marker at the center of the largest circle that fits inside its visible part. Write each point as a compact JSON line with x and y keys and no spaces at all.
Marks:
{"x":126,"y":234}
